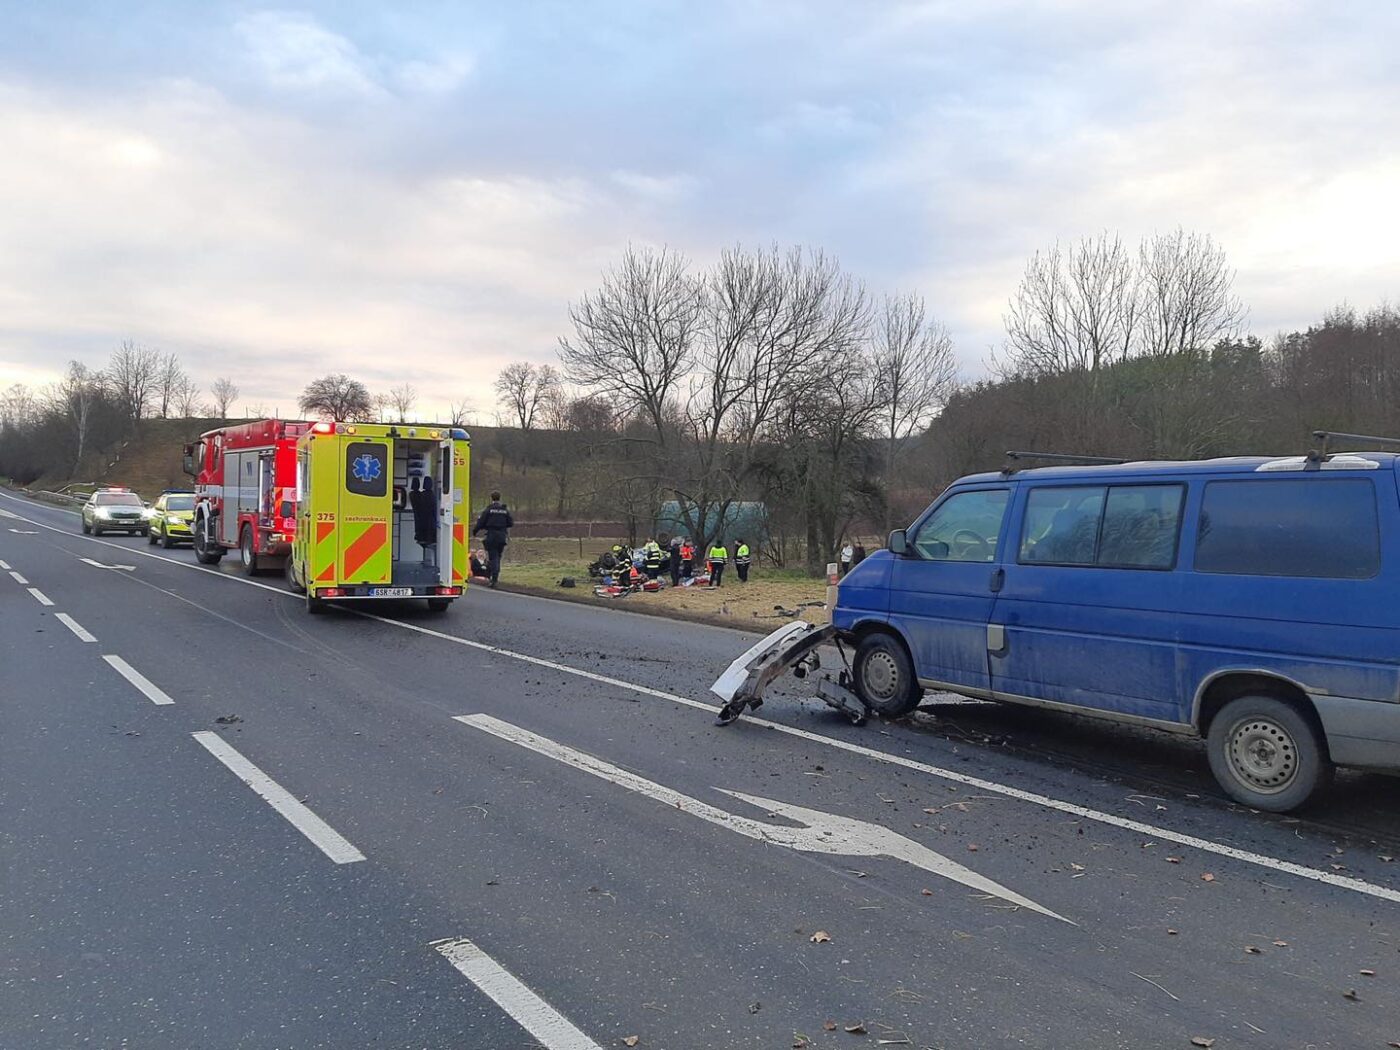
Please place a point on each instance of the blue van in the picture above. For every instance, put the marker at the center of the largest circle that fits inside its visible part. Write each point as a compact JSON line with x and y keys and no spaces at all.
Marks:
{"x":1251,"y":601}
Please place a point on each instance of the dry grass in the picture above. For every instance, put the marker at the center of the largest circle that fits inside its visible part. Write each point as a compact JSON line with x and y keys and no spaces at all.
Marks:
{"x":539,"y":565}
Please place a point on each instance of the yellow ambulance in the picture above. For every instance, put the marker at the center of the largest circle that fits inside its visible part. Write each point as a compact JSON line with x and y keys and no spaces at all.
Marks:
{"x":382,"y":512}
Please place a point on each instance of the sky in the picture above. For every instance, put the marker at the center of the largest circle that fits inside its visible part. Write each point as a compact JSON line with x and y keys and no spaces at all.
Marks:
{"x":414,"y":192}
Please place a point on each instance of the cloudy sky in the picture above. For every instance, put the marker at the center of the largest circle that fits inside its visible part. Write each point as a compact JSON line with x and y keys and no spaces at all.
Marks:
{"x":415,"y":191}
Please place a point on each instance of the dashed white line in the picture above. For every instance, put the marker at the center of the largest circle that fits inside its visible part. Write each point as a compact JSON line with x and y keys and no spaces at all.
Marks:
{"x":322,"y":835}
{"x":40,"y":596}
{"x":74,"y":626}
{"x":4,"y":564}
{"x":153,"y":692}
{"x":1083,"y":812}
{"x":18,"y":578}
{"x":550,"y":1028}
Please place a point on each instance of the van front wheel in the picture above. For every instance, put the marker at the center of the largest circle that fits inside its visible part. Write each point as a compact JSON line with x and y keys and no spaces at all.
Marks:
{"x":884,"y":676}
{"x":1266,"y":754}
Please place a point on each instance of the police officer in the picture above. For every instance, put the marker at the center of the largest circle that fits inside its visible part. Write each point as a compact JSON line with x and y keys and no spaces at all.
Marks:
{"x":741,"y":560}
{"x":496,"y":522}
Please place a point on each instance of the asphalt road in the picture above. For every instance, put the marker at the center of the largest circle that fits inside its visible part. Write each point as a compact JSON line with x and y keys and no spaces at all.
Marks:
{"x":514,"y":825}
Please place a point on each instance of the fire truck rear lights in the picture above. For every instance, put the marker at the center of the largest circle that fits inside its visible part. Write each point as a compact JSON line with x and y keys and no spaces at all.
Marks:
{"x":324,"y":428}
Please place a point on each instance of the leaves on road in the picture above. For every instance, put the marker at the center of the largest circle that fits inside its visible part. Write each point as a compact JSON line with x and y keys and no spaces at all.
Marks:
{"x":1252,"y":950}
{"x":631,"y":1040}
{"x":856,"y":1029}
{"x":1280,"y":944}
{"x":1207,"y":877}
{"x":1173,"y":860}
{"x":820,"y":937}
{"x":1350,"y":993}
{"x":829,"y":1026}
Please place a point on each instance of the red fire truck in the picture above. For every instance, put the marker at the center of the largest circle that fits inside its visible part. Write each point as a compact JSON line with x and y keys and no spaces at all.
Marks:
{"x":245,"y":492}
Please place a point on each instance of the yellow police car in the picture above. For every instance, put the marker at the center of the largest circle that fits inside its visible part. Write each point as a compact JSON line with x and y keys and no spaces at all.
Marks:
{"x":171,"y":518}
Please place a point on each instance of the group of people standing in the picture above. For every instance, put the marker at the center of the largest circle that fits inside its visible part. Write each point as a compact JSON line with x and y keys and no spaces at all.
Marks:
{"x":679,"y":558}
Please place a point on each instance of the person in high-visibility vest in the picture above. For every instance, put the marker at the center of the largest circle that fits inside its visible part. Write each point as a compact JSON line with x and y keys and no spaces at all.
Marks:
{"x":652,"y":564}
{"x":741,"y":560}
{"x":719,"y":557}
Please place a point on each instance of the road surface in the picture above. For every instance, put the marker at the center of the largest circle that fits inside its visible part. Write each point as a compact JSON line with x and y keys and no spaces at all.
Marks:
{"x":226,"y":823}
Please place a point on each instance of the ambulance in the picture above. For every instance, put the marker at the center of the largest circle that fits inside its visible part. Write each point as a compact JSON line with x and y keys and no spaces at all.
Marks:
{"x":382,"y":512}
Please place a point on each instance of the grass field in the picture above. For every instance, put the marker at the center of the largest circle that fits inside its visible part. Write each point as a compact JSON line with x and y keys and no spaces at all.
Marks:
{"x":539,"y":564}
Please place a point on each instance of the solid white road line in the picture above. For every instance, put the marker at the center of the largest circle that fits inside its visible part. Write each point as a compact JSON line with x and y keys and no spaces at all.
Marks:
{"x":322,"y":835}
{"x":820,"y":833}
{"x":1083,"y":812}
{"x":74,"y":626}
{"x":19,"y":579}
{"x":40,"y":596}
{"x":153,"y":692}
{"x":550,"y":1028}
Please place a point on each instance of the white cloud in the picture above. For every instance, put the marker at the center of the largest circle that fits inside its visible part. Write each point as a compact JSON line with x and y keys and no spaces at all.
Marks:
{"x":293,"y":50}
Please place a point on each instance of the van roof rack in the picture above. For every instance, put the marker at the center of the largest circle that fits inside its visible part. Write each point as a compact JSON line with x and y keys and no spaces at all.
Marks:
{"x":1323,"y":439}
{"x":1014,"y":459}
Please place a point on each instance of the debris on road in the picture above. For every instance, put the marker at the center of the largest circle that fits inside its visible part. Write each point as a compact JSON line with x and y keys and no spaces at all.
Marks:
{"x":227,"y":720}
{"x":820,"y":937}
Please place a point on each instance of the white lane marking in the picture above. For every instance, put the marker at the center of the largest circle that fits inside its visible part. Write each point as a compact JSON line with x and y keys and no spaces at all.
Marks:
{"x":550,"y":1028}
{"x":99,"y":565}
{"x":1083,"y":812}
{"x":24,"y":532}
{"x":322,"y":835}
{"x":74,"y":626}
{"x":823,"y":832}
{"x":153,"y":692}
{"x":40,"y":596}
{"x":4,"y":564}
{"x":18,"y":578}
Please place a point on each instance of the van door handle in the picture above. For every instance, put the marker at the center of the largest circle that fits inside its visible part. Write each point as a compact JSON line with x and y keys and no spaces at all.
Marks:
{"x":998,"y":578}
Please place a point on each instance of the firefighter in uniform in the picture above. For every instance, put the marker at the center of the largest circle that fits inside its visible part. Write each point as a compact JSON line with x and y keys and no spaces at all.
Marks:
{"x":652,"y":565}
{"x":496,"y":522}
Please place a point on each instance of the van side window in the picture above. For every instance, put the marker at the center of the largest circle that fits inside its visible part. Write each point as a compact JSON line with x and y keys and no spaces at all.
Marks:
{"x":965,"y":527}
{"x":1311,"y":528}
{"x":1140,"y":526}
{"x":1111,"y":527}
{"x":1062,"y":525}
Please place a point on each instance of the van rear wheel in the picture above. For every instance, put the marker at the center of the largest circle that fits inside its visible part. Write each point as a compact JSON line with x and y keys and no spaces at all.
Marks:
{"x":1267,"y":755}
{"x":438,"y":605}
{"x":884,"y":676}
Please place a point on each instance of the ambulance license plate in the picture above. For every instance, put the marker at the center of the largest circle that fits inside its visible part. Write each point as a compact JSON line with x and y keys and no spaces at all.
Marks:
{"x":391,"y":592}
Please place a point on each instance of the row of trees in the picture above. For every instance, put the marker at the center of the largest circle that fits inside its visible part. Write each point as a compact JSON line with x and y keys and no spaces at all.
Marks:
{"x":51,"y":429}
{"x":771,"y":375}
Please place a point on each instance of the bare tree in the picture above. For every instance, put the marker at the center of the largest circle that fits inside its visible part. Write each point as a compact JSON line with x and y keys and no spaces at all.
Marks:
{"x":916,"y":372}
{"x":338,"y":397}
{"x":186,"y":398}
{"x":772,"y":324}
{"x":523,"y":390}
{"x":133,"y":375}
{"x":1187,"y":296}
{"x":402,"y":398}
{"x":460,"y":412}
{"x":633,"y":336}
{"x":74,"y":398}
{"x":170,"y":379}
{"x":18,"y":407}
{"x":224,"y":392}
{"x":1074,"y":311}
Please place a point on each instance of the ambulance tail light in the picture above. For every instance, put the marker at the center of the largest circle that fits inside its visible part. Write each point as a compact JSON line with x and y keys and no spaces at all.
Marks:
{"x":451,"y":592}
{"x":331,"y":592}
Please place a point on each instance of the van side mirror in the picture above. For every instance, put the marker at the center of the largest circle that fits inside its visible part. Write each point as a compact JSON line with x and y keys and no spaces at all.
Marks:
{"x":899,"y":543}
{"x":189,"y":460}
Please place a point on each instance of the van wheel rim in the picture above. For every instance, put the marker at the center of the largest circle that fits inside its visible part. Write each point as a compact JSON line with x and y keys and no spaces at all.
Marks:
{"x":1263,"y":755}
{"x":881,"y":675}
